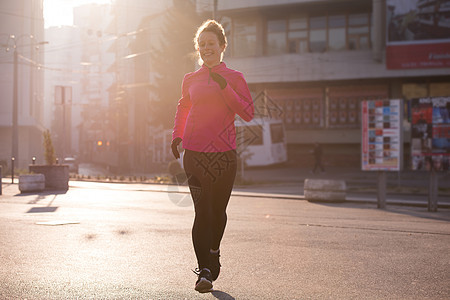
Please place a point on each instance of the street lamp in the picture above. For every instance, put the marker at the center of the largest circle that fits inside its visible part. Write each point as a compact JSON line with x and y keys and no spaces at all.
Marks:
{"x":15,"y":127}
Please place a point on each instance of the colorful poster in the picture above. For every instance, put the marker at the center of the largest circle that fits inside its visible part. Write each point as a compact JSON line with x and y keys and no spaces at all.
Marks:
{"x":430,"y":134}
{"x":381,"y":135}
{"x":418,"y":34}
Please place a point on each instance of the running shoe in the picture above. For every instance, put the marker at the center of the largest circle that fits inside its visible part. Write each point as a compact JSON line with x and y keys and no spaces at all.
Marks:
{"x":204,"y":282}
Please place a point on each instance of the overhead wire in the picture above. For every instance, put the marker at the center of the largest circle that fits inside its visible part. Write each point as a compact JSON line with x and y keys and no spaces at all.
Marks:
{"x":21,"y":16}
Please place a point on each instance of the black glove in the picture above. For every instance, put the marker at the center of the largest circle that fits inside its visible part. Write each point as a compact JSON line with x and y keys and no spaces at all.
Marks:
{"x":174,"y":147}
{"x":219,"y":79}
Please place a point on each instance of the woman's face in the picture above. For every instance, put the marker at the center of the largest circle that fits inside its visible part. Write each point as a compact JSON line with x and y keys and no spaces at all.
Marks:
{"x":209,"y":49}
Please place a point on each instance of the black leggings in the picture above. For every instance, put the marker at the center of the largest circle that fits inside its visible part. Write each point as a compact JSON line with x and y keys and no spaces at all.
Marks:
{"x":211,"y":178}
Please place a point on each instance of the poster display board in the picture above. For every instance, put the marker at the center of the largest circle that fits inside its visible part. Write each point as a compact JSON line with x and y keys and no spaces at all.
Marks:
{"x":430,"y":133}
{"x":381,"y":135}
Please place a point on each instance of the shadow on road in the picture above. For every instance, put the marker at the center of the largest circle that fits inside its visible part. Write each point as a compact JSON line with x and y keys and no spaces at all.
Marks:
{"x":222,"y":295}
{"x":42,"y":196}
{"x":42,"y":209}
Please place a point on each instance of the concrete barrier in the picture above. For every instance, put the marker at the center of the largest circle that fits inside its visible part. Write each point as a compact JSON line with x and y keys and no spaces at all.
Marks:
{"x":324,"y":190}
{"x":31,"y":183}
{"x":56,"y":176}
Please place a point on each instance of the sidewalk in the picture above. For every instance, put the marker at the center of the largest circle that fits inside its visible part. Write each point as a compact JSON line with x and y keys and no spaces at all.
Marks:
{"x":353,"y":177}
{"x":284,"y":186}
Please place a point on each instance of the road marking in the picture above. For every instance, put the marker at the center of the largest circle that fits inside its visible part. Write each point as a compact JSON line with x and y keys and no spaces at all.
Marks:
{"x":57,"y":223}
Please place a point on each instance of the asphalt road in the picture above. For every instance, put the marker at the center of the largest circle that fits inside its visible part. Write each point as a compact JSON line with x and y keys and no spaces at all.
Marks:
{"x":125,"y":241}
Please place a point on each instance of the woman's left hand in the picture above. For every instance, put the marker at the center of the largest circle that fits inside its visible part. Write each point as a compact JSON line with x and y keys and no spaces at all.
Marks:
{"x":219,"y":79}
{"x":174,"y":147}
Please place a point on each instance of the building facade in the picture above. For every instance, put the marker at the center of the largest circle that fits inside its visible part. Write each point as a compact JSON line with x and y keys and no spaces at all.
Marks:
{"x":312,"y":62}
{"x":136,"y":27}
{"x":21,"y":108}
{"x":92,"y":21}
{"x":63,"y":74}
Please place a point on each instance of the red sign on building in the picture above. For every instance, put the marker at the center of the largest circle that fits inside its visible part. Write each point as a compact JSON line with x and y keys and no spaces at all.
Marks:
{"x":418,"y":34}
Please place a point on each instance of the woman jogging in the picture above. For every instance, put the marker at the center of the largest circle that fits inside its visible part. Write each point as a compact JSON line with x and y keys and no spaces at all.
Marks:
{"x":204,"y":121}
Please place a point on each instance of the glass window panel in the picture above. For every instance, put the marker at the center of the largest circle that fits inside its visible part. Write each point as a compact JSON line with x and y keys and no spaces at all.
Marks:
{"x":293,"y":46}
{"x":358,"y":30}
{"x":352,"y":43}
{"x":297,"y":34}
{"x":276,"y":133}
{"x":276,"y":37}
{"x":358,"y":19}
{"x":336,"y":39}
{"x":298,"y":46}
{"x":276,"y":43}
{"x":336,"y":21}
{"x":364,"y":42}
{"x":298,"y":23}
{"x":250,"y":135}
{"x":245,"y":27}
{"x":317,"y":40}
{"x":303,"y":46}
{"x":244,"y":38}
{"x":317,"y":22}
{"x":245,"y":46}
{"x":276,"y":26}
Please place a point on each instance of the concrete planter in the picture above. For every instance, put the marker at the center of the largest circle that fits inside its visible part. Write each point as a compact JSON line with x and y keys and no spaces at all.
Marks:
{"x":31,"y":183}
{"x":325,"y":190}
{"x":56,"y":176}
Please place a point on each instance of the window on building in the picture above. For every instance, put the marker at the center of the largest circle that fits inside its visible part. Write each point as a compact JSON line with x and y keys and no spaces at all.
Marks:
{"x":298,"y":34}
{"x":344,"y":104}
{"x":303,"y":33}
{"x":244,"y":38}
{"x":358,"y":31}
{"x":226,"y":23}
{"x":318,"y":34}
{"x":249,"y":135}
{"x":276,"y":37}
{"x":336,"y":32}
{"x":276,"y":133}
{"x":302,"y":108}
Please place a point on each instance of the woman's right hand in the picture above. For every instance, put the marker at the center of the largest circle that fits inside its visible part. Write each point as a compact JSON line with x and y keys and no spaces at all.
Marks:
{"x":174,"y":147}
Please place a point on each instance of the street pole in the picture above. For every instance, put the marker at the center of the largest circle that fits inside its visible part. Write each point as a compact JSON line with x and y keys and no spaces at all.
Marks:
{"x":12,"y":169}
{"x":63,"y":102}
{"x":381,"y":197}
{"x":15,"y":127}
{"x":432,"y":191}
{"x":214,"y":9}
{"x":15,"y":104}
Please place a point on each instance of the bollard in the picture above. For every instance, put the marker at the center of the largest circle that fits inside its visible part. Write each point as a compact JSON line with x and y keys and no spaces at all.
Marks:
{"x":325,"y":190}
{"x":12,"y":169}
{"x":1,"y":176}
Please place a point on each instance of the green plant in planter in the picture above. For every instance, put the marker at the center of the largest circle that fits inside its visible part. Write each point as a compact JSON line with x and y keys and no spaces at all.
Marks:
{"x":56,"y":176}
{"x":49,"y":151}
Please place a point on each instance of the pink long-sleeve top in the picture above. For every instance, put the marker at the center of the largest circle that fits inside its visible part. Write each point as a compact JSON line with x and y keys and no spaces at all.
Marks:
{"x":205,"y":113}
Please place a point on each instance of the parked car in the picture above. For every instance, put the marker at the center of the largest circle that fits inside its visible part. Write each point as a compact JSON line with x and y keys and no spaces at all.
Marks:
{"x":72,"y":163}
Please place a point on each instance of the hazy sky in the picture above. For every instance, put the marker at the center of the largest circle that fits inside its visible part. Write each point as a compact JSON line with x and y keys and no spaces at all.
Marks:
{"x":60,"y":12}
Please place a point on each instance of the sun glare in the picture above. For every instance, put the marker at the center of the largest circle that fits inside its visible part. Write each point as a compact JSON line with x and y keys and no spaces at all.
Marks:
{"x":60,"y":12}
